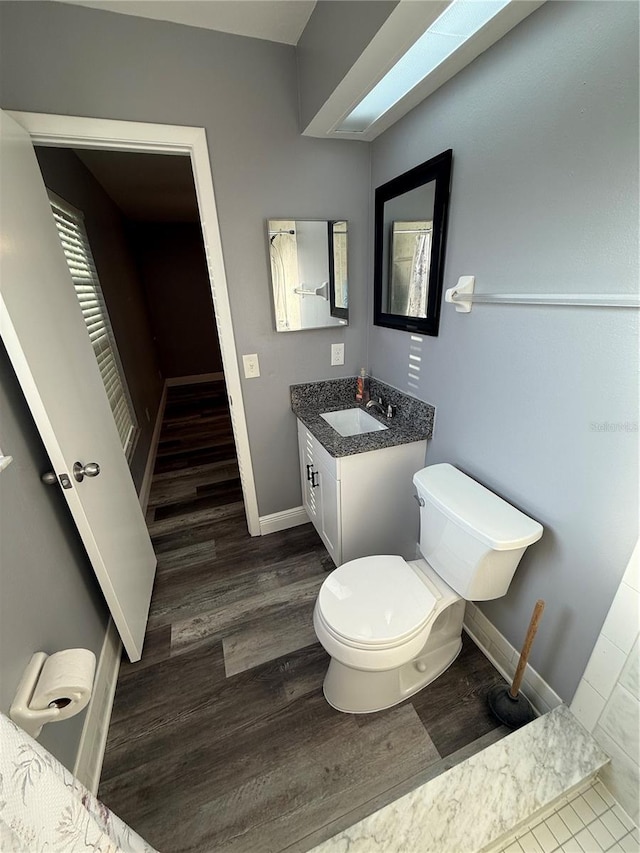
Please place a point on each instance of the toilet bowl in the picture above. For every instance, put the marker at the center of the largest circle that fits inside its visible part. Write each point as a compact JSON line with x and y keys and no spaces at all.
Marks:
{"x":392,"y":626}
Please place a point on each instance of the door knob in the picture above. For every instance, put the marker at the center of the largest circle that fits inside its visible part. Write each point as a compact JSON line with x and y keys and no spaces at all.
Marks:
{"x":80,"y":471}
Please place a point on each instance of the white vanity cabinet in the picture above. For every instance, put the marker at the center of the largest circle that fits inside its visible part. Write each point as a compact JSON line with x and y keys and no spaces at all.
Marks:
{"x":364,"y":503}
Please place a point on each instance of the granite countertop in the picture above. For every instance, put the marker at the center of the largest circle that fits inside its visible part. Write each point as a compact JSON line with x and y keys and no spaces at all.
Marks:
{"x":413,"y":420}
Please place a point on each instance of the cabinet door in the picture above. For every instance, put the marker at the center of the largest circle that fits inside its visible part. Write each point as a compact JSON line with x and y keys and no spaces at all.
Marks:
{"x":305,"y":450}
{"x":329,"y":511}
{"x":320,"y":491}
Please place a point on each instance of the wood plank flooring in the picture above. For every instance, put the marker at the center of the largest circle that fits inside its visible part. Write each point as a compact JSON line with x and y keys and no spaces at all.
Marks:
{"x":221,"y":739}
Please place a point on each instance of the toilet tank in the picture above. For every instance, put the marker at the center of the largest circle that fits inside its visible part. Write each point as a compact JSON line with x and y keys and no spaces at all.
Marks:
{"x":472,"y":538}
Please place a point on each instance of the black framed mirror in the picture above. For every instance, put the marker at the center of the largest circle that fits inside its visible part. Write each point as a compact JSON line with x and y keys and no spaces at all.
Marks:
{"x":410,"y":237}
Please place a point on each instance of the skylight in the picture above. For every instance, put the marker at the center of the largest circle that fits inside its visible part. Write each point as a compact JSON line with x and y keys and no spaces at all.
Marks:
{"x":459,"y":21}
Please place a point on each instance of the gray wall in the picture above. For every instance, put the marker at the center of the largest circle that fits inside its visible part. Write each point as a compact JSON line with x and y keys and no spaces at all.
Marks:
{"x":49,"y":597}
{"x":69,"y":178}
{"x":545,"y":188}
{"x":173,"y":268}
{"x":334,"y":38}
{"x":544,"y":130}
{"x":243,"y":92}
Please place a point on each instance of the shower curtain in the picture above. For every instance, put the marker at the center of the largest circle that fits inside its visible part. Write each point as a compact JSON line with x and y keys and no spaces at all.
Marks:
{"x":419,"y":281}
{"x":43,"y":807}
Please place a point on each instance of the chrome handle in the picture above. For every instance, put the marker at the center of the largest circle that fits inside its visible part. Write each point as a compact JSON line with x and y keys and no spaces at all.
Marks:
{"x":309,"y":471}
{"x":80,"y":471}
{"x":314,"y":485}
{"x":419,"y":499}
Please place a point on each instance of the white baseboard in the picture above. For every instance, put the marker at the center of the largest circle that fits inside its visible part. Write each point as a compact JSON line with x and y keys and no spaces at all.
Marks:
{"x":93,"y":739}
{"x":283,"y":520}
{"x":505,"y":659}
{"x":194,"y":380}
{"x":145,"y":488}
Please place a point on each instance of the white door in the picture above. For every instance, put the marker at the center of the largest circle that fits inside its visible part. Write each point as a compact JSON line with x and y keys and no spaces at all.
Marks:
{"x":45,"y":335}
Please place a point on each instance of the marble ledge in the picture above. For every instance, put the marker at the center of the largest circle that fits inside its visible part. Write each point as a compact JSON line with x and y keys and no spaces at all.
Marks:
{"x":477,"y":802}
{"x":413,"y":420}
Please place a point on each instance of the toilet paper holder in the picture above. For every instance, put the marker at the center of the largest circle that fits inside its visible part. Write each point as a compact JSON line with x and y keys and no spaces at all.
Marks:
{"x":29,"y":715}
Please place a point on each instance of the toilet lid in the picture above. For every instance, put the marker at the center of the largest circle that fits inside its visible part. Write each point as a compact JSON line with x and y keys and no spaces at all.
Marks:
{"x":375,"y":600}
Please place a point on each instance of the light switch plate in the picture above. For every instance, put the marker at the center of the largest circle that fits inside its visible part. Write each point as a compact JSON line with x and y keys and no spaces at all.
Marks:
{"x":251,"y":366}
{"x":337,"y":354}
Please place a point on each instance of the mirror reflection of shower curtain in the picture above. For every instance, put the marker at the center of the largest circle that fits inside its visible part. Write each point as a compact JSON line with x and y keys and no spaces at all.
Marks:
{"x":419,"y":280}
{"x":279,"y":294}
{"x":410,"y":253}
{"x":283,"y":253}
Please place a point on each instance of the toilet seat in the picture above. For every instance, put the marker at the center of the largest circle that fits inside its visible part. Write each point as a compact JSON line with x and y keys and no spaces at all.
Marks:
{"x":365,"y":647}
{"x":377,"y":602}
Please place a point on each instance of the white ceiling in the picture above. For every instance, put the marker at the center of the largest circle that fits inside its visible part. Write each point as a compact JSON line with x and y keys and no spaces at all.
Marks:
{"x":272,"y":20}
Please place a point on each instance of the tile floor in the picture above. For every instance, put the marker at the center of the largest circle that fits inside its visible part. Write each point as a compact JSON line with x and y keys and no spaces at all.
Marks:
{"x":587,"y":821}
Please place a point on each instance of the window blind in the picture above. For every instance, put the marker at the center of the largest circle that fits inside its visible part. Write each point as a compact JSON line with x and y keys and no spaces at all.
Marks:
{"x":77,"y":251}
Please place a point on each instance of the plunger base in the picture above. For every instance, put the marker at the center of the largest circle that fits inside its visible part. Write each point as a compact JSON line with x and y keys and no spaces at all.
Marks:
{"x":511,"y":712}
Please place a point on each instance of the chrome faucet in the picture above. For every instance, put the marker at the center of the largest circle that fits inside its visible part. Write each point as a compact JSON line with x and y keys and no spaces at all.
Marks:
{"x":379,"y":406}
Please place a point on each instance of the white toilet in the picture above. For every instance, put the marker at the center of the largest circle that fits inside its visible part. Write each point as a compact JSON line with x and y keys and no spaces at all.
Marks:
{"x":392,"y":626}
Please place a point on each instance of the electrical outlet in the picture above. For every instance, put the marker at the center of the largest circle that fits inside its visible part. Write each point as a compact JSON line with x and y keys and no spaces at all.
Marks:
{"x":337,"y":354}
{"x":251,"y":366}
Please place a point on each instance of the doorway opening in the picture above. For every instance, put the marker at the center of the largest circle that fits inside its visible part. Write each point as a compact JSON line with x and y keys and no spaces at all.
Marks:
{"x":130,"y":229}
{"x":94,"y":139}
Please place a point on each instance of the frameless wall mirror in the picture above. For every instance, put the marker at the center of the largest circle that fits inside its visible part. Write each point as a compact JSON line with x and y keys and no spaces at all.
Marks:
{"x":308,"y":273}
{"x":410,"y":235}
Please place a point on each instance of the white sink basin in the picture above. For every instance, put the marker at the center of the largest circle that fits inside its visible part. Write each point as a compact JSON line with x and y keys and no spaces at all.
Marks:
{"x":352,"y":422}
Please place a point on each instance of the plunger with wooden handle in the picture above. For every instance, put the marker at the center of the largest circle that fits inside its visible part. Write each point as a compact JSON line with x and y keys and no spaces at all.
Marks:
{"x":510,"y":706}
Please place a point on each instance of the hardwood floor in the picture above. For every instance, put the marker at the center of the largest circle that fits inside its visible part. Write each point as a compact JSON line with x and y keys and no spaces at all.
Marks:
{"x":221,"y":739}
